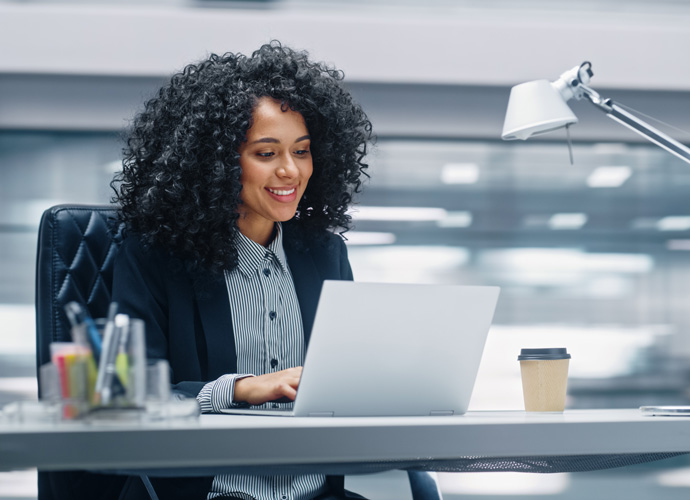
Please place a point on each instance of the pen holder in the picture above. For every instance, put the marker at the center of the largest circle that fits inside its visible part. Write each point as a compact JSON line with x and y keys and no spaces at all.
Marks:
{"x":84,"y":381}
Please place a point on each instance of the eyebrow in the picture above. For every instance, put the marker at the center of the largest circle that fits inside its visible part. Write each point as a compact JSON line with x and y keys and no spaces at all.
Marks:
{"x":272,"y":140}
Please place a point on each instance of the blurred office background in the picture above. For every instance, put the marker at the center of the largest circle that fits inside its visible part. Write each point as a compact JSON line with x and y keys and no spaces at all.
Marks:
{"x":592,"y":256}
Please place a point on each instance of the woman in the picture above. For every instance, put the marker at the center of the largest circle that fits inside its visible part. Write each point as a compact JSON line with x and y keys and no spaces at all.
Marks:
{"x":235,"y":177}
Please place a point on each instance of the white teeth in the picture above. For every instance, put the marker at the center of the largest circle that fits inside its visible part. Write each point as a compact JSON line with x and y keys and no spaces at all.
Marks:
{"x":281,"y":192}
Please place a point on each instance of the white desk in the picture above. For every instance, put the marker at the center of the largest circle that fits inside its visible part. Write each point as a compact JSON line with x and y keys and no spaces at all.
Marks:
{"x":335,"y":445}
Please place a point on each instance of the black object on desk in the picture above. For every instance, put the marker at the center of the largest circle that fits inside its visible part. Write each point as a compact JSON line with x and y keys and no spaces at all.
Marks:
{"x":92,"y":234}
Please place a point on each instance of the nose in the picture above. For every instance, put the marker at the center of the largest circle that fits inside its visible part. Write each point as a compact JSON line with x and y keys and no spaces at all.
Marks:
{"x":287,"y":168}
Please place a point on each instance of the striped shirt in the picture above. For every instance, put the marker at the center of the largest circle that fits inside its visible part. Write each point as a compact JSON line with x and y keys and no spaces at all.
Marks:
{"x":269,"y":337}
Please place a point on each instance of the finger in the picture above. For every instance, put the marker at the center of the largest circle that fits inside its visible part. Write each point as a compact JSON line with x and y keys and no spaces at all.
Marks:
{"x":289,"y":392}
{"x":268,"y":387}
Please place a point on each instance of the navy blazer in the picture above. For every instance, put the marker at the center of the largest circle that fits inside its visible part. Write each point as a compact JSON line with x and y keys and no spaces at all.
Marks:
{"x":188,"y":321}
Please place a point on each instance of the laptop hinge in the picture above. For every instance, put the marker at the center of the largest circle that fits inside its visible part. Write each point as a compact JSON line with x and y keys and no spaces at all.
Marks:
{"x":321,"y":413}
{"x":436,"y":413}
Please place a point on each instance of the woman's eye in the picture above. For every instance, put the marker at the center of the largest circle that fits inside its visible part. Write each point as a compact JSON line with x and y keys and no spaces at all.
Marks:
{"x":265,"y":155}
{"x":302,"y":152}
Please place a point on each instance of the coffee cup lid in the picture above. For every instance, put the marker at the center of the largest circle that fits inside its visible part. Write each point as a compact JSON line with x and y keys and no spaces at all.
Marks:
{"x":543,"y":354}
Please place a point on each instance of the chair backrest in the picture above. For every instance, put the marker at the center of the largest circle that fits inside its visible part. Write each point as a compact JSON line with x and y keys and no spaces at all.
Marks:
{"x":77,"y":245}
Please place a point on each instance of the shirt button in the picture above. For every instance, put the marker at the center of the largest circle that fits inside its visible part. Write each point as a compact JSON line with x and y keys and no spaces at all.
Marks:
{"x":274,"y":363}
{"x":272,"y":315}
{"x":267,"y":272}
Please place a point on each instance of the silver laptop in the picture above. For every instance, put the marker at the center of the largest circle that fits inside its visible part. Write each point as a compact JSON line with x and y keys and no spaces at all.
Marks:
{"x":389,"y":349}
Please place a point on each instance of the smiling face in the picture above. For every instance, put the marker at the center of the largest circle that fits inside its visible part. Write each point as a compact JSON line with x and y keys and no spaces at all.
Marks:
{"x":276,"y":167}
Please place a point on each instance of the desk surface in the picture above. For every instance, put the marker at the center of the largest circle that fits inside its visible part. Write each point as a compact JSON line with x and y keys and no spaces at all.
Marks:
{"x":233,"y":442}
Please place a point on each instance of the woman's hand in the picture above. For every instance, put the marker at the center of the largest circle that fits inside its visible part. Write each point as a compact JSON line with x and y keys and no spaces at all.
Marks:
{"x":263,"y":388}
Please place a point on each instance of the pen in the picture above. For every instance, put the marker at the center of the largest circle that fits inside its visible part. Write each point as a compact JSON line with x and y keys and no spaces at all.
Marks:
{"x":85,"y":334}
{"x":74,"y":314}
{"x":122,"y":359}
{"x":108,"y":383}
{"x":108,"y":332}
{"x":110,"y":320}
{"x":78,"y":315}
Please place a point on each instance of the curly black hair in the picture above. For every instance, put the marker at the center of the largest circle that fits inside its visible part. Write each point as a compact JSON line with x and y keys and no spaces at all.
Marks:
{"x":180,"y":183}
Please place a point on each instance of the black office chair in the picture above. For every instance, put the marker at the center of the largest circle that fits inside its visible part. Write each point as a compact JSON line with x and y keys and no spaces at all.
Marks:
{"x":77,"y":245}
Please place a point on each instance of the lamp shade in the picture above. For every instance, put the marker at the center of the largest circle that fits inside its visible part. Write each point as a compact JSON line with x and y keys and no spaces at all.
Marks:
{"x":535,"y":108}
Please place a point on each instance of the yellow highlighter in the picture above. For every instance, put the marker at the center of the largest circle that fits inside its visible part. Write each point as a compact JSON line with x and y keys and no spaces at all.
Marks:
{"x":91,"y":375}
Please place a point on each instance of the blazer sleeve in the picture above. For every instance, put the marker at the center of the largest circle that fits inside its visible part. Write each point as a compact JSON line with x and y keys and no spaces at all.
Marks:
{"x":345,"y":268}
{"x":146,"y":286}
{"x":139,"y":290}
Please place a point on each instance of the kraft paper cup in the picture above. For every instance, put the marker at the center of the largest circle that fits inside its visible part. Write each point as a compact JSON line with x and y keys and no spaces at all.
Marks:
{"x":544,"y":378}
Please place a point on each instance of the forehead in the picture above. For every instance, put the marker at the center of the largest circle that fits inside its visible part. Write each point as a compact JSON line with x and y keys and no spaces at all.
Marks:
{"x":270,"y":116}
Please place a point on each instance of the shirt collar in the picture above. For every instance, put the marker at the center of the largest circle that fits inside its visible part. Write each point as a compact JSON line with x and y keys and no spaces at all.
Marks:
{"x":251,"y":255}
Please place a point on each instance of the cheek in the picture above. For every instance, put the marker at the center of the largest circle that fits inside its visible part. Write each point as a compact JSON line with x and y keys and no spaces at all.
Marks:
{"x":308,"y":171}
{"x":250,"y":175}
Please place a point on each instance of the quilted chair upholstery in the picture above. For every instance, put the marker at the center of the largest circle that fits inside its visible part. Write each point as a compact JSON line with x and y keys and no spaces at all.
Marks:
{"x":77,"y":245}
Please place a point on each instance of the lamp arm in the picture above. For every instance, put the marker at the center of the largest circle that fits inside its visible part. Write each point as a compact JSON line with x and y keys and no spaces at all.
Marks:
{"x":652,"y":134}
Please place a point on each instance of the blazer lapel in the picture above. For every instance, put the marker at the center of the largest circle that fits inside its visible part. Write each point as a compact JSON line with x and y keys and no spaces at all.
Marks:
{"x":307,"y":284}
{"x":216,"y":319}
{"x":214,"y":311}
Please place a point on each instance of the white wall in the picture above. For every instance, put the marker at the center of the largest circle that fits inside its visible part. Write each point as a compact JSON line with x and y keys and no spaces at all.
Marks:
{"x":89,"y":67}
{"x":472,"y":47}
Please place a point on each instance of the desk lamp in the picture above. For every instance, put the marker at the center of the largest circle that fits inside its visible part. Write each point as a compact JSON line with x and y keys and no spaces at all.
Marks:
{"x":539,"y":107}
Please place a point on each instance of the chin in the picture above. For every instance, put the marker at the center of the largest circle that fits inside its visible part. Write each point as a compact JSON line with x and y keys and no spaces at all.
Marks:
{"x":284,"y":217}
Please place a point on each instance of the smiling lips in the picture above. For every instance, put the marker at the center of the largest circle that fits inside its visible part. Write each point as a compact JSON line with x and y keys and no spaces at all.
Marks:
{"x":283,"y":194}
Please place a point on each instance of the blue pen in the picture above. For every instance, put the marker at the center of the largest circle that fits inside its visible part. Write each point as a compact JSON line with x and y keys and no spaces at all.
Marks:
{"x":78,"y":315}
{"x":109,"y":323}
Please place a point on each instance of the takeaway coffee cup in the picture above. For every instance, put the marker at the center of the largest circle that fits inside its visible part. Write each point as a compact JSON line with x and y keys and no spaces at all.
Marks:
{"x":544,"y":378}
